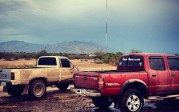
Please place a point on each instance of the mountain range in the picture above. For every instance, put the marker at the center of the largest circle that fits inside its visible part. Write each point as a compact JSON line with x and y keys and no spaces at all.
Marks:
{"x":63,"y":47}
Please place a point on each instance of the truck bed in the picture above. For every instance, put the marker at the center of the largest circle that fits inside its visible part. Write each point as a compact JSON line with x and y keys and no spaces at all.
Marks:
{"x":109,"y":71}
{"x":91,"y":79}
{"x":24,"y":68}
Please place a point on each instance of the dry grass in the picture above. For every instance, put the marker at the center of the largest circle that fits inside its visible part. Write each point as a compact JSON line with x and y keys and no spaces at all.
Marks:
{"x":22,"y":63}
{"x":89,"y":65}
{"x":83,"y":65}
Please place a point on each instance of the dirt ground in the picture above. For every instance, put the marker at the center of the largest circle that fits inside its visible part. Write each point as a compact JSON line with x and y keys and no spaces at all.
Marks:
{"x":66,"y":101}
{"x":54,"y":101}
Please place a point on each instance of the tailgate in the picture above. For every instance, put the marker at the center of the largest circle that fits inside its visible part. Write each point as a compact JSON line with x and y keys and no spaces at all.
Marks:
{"x":5,"y":74}
{"x":86,"y":81}
{"x":5,"y":77}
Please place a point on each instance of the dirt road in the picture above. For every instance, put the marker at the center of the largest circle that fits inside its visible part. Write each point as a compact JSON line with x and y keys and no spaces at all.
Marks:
{"x":66,"y":101}
{"x":55,"y":101}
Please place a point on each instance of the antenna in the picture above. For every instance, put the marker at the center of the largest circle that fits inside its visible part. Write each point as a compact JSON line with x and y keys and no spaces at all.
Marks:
{"x":106,"y":25}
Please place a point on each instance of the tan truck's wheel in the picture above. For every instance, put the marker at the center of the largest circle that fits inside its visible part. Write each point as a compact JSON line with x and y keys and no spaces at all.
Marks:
{"x":14,"y":90}
{"x":62,"y":87}
{"x":37,"y":89}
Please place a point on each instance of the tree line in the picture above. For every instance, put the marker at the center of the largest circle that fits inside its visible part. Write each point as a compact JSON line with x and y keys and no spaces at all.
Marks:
{"x":11,"y":56}
{"x":99,"y":57}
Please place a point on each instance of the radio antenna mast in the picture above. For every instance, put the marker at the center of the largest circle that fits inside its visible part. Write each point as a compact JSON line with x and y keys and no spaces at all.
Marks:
{"x":106,"y":25}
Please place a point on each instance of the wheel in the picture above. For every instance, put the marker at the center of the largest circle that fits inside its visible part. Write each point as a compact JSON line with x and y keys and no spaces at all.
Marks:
{"x":14,"y":90}
{"x":102,"y":102}
{"x":37,"y":89}
{"x":62,"y":87}
{"x":131,"y":101}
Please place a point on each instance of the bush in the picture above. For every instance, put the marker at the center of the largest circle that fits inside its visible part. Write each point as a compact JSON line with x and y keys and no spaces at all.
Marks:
{"x":109,"y":58}
{"x":98,"y":61}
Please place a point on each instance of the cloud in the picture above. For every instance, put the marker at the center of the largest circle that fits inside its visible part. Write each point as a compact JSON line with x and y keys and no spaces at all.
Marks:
{"x":53,"y":21}
{"x":61,"y":10}
{"x":8,"y":34}
{"x":32,"y":14}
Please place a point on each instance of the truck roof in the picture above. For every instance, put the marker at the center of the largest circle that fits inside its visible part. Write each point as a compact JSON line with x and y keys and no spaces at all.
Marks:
{"x":149,"y":54}
{"x":53,"y":57}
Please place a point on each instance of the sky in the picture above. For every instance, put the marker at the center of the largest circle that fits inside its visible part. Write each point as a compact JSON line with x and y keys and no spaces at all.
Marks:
{"x":150,"y":26}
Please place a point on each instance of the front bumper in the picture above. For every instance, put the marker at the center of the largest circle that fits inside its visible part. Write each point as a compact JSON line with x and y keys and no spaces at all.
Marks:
{"x":86,"y":92}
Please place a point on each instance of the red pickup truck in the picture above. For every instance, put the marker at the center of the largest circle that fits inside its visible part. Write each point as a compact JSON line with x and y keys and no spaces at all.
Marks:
{"x":138,"y":76}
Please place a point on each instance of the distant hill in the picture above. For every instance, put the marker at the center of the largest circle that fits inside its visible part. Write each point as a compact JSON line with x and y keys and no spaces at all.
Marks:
{"x":64,"y":47}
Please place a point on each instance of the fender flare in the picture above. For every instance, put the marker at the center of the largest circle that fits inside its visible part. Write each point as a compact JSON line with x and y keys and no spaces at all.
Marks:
{"x":131,"y":82}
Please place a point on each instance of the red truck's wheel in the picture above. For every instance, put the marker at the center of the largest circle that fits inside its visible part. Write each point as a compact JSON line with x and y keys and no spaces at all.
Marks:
{"x":14,"y":90}
{"x":102,"y":102}
{"x":131,"y":101}
{"x":37,"y":89}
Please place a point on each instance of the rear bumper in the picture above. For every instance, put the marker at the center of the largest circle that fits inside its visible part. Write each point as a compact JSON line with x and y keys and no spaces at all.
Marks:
{"x":86,"y":92}
{"x":5,"y":83}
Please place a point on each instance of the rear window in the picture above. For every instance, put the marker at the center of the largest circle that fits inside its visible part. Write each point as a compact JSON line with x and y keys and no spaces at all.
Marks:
{"x":47,"y":61}
{"x":131,"y":61}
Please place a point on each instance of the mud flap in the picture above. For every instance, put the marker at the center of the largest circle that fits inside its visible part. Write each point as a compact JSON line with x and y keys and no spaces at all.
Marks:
{"x":26,"y":90}
{"x":4,"y":88}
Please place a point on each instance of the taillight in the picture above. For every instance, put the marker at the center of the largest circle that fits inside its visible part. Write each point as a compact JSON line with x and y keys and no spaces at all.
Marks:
{"x":12,"y":76}
{"x":100,"y":83}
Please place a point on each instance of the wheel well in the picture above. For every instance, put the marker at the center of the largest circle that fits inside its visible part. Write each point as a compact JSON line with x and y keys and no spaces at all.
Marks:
{"x":40,"y":78}
{"x":135,"y":85}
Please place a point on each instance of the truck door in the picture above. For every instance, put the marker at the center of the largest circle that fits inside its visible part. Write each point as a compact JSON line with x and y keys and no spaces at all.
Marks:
{"x":159,"y":81}
{"x":66,"y":69}
{"x":173,"y":63}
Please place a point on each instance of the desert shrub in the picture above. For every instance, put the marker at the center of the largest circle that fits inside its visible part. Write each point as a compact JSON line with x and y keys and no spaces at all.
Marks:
{"x":98,"y":61}
{"x":109,"y":58}
{"x":34,"y":55}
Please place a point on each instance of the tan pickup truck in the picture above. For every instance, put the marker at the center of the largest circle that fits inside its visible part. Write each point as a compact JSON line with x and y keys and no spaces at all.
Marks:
{"x":50,"y":70}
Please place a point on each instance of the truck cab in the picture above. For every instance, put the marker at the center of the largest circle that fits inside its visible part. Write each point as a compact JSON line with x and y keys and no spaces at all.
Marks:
{"x":66,"y":68}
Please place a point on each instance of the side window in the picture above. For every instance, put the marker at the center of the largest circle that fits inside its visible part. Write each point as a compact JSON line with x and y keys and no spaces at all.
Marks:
{"x":156,"y":63}
{"x":65,"y":63}
{"x":173,"y":63}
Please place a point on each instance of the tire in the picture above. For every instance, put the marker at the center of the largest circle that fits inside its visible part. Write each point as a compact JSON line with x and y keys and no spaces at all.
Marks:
{"x":15,"y":90}
{"x":62,"y":87}
{"x":102,"y":102}
{"x":131,"y":101}
{"x":37,"y":89}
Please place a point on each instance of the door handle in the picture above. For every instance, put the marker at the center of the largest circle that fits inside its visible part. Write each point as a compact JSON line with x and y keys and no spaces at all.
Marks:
{"x":173,"y":75}
{"x":154,"y":75}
